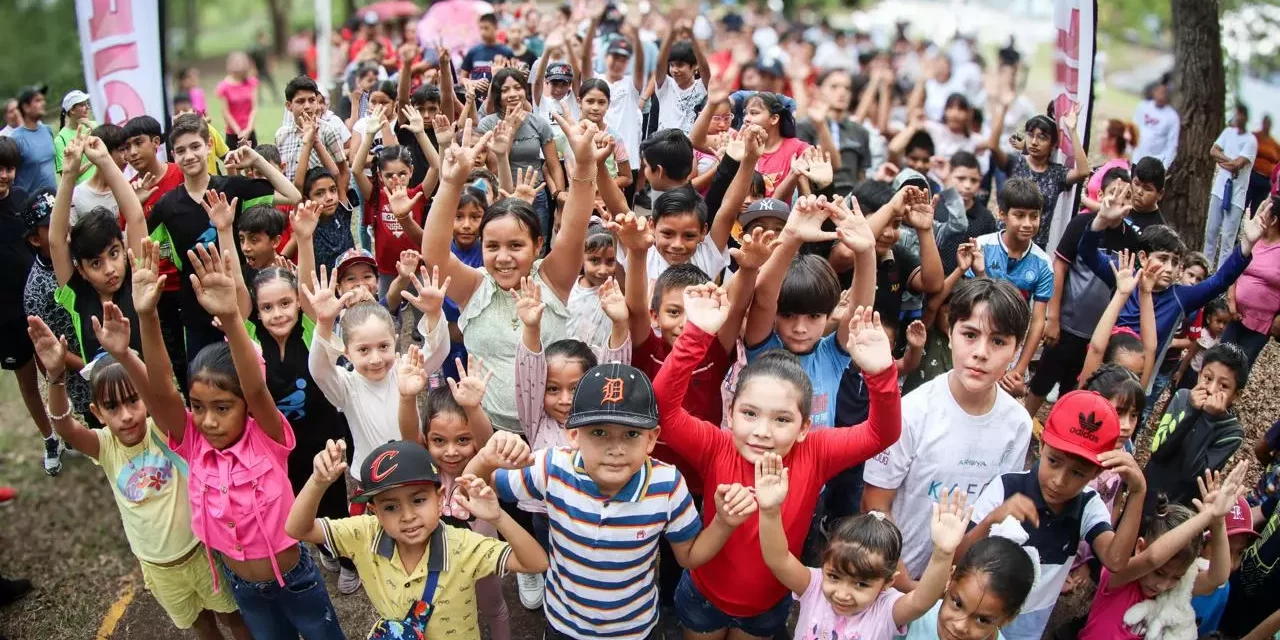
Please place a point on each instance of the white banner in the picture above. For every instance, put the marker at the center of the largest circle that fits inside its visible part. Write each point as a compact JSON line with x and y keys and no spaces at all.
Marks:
{"x":120,"y":44}
{"x":1074,"y":20}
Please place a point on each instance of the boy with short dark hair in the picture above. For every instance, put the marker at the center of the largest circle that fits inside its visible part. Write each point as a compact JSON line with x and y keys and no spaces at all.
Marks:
{"x":304,"y":102}
{"x":678,"y":62}
{"x":1056,"y":507}
{"x":959,"y":429}
{"x":416,"y":568}
{"x":95,"y":192}
{"x":182,"y":105}
{"x":1148,"y":190}
{"x":1199,"y":430}
{"x":608,"y":491}
{"x":1013,"y":255}
{"x":964,"y":177}
{"x":918,"y":154}
{"x":186,"y":222}
{"x":259,"y":229}
{"x":478,"y":63}
{"x":668,"y":160}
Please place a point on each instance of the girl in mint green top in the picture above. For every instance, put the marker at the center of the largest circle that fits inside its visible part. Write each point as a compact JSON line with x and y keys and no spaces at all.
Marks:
{"x":73,"y":118}
{"x":987,"y":588}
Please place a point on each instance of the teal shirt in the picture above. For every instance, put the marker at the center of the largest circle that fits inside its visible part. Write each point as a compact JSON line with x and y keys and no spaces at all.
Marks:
{"x":926,"y":626}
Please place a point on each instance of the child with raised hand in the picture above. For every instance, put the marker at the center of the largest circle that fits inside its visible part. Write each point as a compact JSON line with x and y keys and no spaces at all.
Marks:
{"x":236,"y":443}
{"x":453,"y":430}
{"x":852,"y":594}
{"x":987,"y":588}
{"x":1054,"y":507}
{"x":149,"y":487}
{"x":587,"y":320}
{"x":368,"y":341}
{"x":421,"y":570}
{"x":1157,"y":584}
{"x":609,"y":504}
{"x":769,"y":414}
{"x":1111,"y":346}
{"x":488,"y":319}
{"x":1214,"y":318}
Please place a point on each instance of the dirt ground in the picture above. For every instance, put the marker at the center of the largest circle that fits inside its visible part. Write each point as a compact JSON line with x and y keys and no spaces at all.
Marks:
{"x":64,"y":535}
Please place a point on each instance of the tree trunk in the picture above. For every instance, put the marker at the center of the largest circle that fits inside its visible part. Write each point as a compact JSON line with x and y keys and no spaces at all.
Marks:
{"x":191,"y":29}
{"x":1198,"y":96}
{"x":279,"y":25}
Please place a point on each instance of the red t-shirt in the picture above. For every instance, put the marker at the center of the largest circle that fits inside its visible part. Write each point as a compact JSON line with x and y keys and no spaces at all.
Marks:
{"x":776,"y":166}
{"x":172,"y":179}
{"x":812,"y":462}
{"x":389,"y":236}
{"x":704,"y":399}
{"x":286,"y":209}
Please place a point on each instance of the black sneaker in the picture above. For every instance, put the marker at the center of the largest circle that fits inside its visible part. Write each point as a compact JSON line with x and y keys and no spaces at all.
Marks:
{"x":12,"y":591}
{"x":53,"y":455}
{"x":643,"y":201}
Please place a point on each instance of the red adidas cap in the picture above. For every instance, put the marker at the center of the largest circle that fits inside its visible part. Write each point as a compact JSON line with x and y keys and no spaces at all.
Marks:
{"x":1082,"y":423}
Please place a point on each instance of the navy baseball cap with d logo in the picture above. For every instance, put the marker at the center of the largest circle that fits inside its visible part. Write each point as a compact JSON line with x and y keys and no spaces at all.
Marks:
{"x":614,"y":393}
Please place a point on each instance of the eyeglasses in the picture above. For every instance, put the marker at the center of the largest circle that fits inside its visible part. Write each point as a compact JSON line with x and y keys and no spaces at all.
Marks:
{"x":727,"y":117}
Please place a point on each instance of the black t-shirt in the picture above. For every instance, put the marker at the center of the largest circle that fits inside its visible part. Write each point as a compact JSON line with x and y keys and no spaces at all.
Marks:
{"x":80,"y":300}
{"x":15,"y":255}
{"x":893,"y":272}
{"x":186,"y":224}
{"x":1084,"y":295}
{"x":981,"y":222}
{"x":1144,"y":220}
{"x":408,"y":140}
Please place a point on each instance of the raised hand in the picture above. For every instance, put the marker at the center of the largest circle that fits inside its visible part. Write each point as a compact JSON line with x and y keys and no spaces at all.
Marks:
{"x":771,"y":482}
{"x":112,"y":330}
{"x":401,"y":204}
{"x":1126,"y":277}
{"x":1072,"y":119}
{"x":852,"y":227}
{"x":411,"y":376}
{"x":241,"y":158}
{"x":920,"y":208}
{"x":304,"y":218}
{"x":706,"y":306}
{"x":307,"y":123}
{"x":979,"y":264}
{"x":529,"y":305}
{"x":503,"y":136}
{"x":581,"y":139}
{"x":527,"y":185}
{"x":964,"y":256}
{"x":868,"y":344}
{"x":917,"y":334}
{"x":755,"y":249}
{"x":221,"y":213}
{"x":444,"y":130}
{"x":478,"y":498}
{"x":51,"y":349}
{"x":96,"y":151}
{"x":431,"y":290}
{"x":376,"y":120}
{"x":147,"y":281}
{"x":1255,"y":226}
{"x":815,"y":164}
{"x":805,"y":221}
{"x":734,"y":145}
{"x":633,"y":231}
{"x":322,"y":295}
{"x":754,"y":140}
{"x":473,"y":379}
{"x":1116,"y":205}
{"x":612,"y":302}
{"x":72,"y":154}
{"x":734,"y":503}
{"x":330,"y":465}
{"x":408,"y":263}
{"x":950,"y":520}
{"x":843,"y":307}
{"x":412,"y":120}
{"x":506,"y":450}
{"x":605,"y":146}
{"x":458,"y":160}
{"x":145,"y":186}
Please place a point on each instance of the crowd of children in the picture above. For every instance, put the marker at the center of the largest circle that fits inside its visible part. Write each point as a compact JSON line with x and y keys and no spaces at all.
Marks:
{"x":678,"y":344}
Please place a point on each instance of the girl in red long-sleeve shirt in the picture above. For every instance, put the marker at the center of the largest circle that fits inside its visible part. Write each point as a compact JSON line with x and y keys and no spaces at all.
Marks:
{"x":769,"y":414}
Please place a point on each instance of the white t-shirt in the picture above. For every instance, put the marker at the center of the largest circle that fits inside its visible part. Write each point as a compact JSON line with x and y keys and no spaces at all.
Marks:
{"x":587,"y":321}
{"x":549,"y":105}
{"x":1158,"y":129}
{"x":677,"y":108}
{"x":1235,"y":145}
{"x":711,"y":259}
{"x":624,"y":115}
{"x":942,"y":446}
{"x":84,"y":198}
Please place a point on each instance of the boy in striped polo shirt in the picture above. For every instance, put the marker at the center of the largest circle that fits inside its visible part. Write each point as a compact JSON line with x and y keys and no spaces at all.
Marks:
{"x":608,"y":503}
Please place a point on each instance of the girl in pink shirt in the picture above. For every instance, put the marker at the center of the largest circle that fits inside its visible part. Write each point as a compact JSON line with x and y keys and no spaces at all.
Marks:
{"x":781,"y":144}
{"x":1167,"y":551}
{"x":239,"y":94}
{"x":236,"y":444}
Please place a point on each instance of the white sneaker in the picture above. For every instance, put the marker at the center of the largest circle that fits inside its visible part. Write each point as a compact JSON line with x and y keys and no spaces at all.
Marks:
{"x":1053,"y":395}
{"x":53,"y":455}
{"x":531,"y":587}
{"x":348,"y":581}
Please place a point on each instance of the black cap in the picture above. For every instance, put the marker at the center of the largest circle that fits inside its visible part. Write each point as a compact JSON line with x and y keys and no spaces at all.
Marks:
{"x":619,"y":47}
{"x":764,"y":208}
{"x":37,"y":210}
{"x":395,"y":464}
{"x":29,"y":93}
{"x":559,"y":72}
{"x":614,"y":393}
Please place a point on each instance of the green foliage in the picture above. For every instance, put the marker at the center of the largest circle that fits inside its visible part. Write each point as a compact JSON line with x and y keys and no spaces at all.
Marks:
{"x":41,"y":46}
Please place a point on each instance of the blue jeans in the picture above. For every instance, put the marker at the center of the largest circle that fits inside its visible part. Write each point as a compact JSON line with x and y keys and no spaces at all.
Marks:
{"x":542,"y":207}
{"x":300,"y":607}
{"x":1247,"y":339}
{"x":700,"y":615}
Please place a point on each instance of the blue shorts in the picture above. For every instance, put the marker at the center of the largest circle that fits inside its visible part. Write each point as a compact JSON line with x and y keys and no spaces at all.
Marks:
{"x":699,"y":615}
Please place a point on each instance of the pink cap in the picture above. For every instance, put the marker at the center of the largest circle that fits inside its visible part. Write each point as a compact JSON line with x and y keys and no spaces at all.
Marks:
{"x":1240,"y":519}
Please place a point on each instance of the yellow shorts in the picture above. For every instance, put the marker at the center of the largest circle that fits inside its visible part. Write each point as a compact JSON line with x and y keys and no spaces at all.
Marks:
{"x":186,"y":589}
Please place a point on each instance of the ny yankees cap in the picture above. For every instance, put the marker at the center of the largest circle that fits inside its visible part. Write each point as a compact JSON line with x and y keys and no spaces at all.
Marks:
{"x":395,"y":464}
{"x":1082,"y":423}
{"x":614,"y":393}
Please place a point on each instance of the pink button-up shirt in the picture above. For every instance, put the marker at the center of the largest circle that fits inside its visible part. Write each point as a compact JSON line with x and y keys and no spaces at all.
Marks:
{"x":1258,"y":289}
{"x":240,"y":496}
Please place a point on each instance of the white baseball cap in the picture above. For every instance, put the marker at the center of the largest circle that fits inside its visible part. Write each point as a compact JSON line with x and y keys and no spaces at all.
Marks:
{"x":73,"y":98}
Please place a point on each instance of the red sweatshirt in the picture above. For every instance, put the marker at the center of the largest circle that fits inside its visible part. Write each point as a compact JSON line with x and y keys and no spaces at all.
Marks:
{"x":812,"y":462}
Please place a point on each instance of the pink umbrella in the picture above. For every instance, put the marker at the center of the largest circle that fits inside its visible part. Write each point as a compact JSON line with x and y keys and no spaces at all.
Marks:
{"x":392,"y":9}
{"x":453,"y":24}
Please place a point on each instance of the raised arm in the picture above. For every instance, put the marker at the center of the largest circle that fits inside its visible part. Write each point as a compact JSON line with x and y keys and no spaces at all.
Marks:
{"x":328,"y":467}
{"x":1080,"y":154}
{"x":948,"y":524}
{"x":154,"y":384}
{"x":660,"y":71}
{"x":60,"y":221}
{"x":222,"y":215}
{"x":437,"y":234}
{"x":374,"y":121}
{"x":564,"y":261}
{"x":130,"y":208}
{"x":772,"y":484}
{"x":246,"y":157}
{"x":635,"y":235}
{"x":747,"y":150}
{"x":52,"y":353}
{"x":803,"y":225}
{"x":1126,"y":281}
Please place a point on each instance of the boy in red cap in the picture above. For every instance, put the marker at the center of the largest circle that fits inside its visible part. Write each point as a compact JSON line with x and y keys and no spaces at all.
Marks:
{"x":1057,"y":508}
{"x":1240,"y":534}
